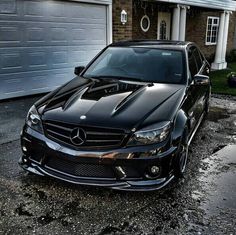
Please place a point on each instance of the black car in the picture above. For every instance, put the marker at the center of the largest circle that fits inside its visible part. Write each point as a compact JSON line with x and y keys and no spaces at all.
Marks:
{"x":125,"y":121}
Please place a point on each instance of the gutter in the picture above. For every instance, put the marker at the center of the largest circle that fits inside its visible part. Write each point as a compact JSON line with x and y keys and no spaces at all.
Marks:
{"x":227,"y":5}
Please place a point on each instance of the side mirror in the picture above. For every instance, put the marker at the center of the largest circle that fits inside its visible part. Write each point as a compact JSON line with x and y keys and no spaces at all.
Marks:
{"x":78,"y":70}
{"x":201,"y":80}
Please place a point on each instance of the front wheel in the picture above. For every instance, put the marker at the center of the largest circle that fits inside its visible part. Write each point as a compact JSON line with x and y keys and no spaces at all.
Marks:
{"x":182,"y":156}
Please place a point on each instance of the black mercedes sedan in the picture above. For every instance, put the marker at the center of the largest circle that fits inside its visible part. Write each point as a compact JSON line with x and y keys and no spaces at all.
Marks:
{"x":125,"y":121}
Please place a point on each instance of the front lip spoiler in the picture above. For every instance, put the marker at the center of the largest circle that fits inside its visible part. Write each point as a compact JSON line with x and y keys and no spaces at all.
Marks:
{"x":129,"y":185}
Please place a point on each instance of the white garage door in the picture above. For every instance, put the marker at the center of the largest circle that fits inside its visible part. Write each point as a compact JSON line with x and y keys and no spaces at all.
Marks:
{"x":42,"y":41}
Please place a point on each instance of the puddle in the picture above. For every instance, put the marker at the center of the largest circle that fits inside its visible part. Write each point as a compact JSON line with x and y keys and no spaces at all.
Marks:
{"x":218,"y":180}
{"x":218,"y":148}
{"x":217,"y":113}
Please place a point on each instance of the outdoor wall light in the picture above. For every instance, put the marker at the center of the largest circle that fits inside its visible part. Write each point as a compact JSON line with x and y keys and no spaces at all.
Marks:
{"x":123,"y":17}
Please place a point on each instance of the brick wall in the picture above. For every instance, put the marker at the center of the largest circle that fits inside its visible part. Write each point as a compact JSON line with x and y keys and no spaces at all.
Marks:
{"x":120,"y":31}
{"x":196,"y":30}
{"x":231,"y":35}
{"x":152,"y":9}
{"x":195,"y":26}
{"x":138,"y":13}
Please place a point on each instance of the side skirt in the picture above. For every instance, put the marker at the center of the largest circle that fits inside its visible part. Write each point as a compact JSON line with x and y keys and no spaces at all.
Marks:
{"x":196,"y":128}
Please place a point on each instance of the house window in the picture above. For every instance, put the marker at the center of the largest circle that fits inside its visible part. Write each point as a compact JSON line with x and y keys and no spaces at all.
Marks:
{"x":163,"y":30}
{"x":212,"y":30}
{"x":145,"y":23}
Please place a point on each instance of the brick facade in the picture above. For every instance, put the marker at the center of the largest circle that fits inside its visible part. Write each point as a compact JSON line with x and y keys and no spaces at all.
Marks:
{"x":196,"y":23}
{"x":196,"y":30}
{"x":120,"y":31}
{"x":231,"y":35}
{"x":138,"y":13}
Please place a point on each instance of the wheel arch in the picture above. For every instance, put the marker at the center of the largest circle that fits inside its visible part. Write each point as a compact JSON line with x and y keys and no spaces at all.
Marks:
{"x":180,"y":122}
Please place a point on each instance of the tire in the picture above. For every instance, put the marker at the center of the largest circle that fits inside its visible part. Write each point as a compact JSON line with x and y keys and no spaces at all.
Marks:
{"x":182,"y":155}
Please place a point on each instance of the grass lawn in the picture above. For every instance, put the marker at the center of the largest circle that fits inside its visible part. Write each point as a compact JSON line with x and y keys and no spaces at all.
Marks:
{"x":219,"y":81}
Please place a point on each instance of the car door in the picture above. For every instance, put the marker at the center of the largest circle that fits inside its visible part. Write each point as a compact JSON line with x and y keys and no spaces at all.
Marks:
{"x":194,"y":91}
{"x":203,"y":69}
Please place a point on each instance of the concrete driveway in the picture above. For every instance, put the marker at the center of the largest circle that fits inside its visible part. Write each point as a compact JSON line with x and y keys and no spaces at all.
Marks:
{"x":204,"y":202}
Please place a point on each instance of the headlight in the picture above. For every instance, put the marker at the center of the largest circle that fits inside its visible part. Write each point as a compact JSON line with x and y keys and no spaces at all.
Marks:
{"x":33,"y":120}
{"x":151,"y":135}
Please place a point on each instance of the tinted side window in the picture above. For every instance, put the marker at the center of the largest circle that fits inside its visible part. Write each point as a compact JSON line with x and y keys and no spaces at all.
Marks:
{"x":198,"y":58}
{"x":192,"y":63}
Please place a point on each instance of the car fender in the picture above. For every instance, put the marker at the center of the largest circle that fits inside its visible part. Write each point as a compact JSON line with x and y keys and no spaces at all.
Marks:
{"x":180,"y":122}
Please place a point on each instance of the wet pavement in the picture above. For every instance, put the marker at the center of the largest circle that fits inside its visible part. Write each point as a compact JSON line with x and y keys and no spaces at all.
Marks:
{"x":203,"y":202}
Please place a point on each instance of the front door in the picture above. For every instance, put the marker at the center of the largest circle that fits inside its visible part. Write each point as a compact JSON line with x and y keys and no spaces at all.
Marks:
{"x":163,"y":26}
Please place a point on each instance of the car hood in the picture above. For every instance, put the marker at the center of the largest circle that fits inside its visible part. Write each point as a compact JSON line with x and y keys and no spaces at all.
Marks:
{"x":110,"y":103}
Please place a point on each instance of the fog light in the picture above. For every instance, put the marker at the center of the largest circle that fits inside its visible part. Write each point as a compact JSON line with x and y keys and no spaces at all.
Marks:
{"x":155,"y":170}
{"x":24,"y":149}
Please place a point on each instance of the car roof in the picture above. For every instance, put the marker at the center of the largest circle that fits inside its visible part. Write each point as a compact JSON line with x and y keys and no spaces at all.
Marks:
{"x":166,"y":44}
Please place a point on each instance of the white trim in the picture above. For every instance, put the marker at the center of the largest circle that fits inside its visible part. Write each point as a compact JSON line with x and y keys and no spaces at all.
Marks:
{"x":182,"y":26}
{"x":175,"y":23}
{"x":100,"y":2}
{"x":213,"y":4}
{"x":213,"y":18}
{"x":109,"y":24}
{"x":145,"y":17}
{"x":219,"y":62}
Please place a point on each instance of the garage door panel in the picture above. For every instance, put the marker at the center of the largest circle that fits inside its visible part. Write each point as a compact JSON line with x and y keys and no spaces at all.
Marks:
{"x":16,"y":60}
{"x":33,"y":9}
{"x":42,"y":42}
{"x":10,"y":61}
{"x":53,"y":11}
{"x":10,"y":34}
{"x":43,"y":81}
{"x":28,"y":34}
{"x":7,"y":6}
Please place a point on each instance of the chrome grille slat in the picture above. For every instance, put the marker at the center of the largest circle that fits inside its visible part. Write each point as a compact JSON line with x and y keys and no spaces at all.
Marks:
{"x":61,"y":127}
{"x":56,"y":133}
{"x":99,"y":133}
{"x":103,"y":141}
{"x":96,"y":137}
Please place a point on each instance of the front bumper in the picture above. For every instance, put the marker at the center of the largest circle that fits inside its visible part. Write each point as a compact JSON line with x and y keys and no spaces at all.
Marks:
{"x":128,"y":172}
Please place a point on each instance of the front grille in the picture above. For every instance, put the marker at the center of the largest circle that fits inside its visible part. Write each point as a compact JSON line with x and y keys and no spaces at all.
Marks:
{"x":80,"y":169}
{"x":96,"y":137}
{"x":88,"y":170}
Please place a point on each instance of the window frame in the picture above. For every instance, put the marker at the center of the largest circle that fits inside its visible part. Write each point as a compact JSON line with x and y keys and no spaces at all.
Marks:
{"x":190,"y":51}
{"x":197,"y":56}
{"x":148,"y":21}
{"x":218,"y":25}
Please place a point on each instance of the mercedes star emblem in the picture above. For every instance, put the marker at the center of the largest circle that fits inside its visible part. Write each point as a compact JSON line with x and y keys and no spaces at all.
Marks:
{"x":78,"y":136}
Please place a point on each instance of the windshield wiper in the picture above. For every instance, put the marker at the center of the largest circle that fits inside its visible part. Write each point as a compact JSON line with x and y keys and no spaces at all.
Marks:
{"x":106,"y":77}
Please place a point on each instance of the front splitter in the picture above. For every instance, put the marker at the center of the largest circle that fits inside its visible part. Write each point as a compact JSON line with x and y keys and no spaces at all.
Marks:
{"x":129,"y":185}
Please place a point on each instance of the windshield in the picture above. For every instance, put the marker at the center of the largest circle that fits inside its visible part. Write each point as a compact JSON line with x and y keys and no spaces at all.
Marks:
{"x":135,"y":63}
